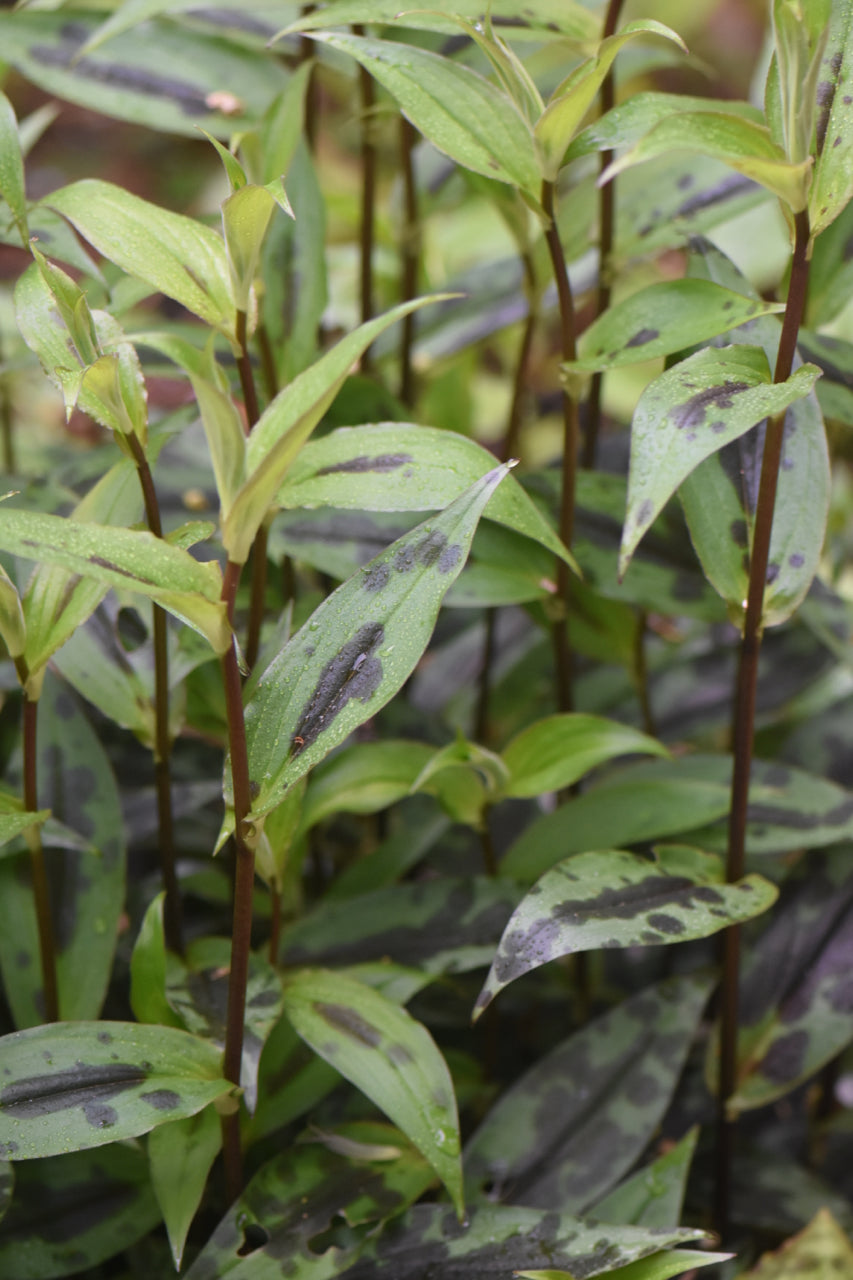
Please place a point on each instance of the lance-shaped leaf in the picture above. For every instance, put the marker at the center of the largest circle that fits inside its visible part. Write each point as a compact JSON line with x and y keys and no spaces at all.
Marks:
{"x":690,"y":412}
{"x":245,"y":217}
{"x":403,"y":467}
{"x":13,"y":627}
{"x":556,"y":751}
{"x":176,"y":255}
{"x":660,"y":1266}
{"x":571,"y":100}
{"x":180,"y":1155}
{"x":631,"y":120}
{"x":821,"y":1249}
{"x":363,"y":778}
{"x":15,"y":823}
{"x":357,"y":649}
{"x":12,"y":187}
{"x":738,"y":142}
{"x":567,"y":17}
{"x":616,"y":899}
{"x":388,"y":1055}
{"x":504,"y":1239}
{"x":653,"y":1196}
{"x":832,"y":184}
{"x":128,"y":559}
{"x":662,"y":319}
{"x":97,"y":1203}
{"x":69,"y":1086}
{"x":456,"y":109}
{"x":571,"y":1127}
{"x":286,"y":424}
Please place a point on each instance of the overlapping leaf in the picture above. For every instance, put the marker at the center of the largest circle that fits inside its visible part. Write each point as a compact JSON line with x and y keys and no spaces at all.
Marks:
{"x":555,"y":752}
{"x":570,"y":19}
{"x":832,"y":183}
{"x":653,"y":1196}
{"x":180,"y":1155}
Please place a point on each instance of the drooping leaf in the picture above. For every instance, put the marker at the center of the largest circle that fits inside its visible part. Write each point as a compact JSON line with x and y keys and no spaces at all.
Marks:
{"x":690,"y":412}
{"x":180,"y":1155}
{"x":653,"y":1196}
{"x":173,"y":253}
{"x":74,"y":1085}
{"x":129,"y":559}
{"x":742,"y":145}
{"x":318,"y":689}
{"x":615,"y":899}
{"x":73,"y":1212}
{"x":401,"y":467}
{"x":555,"y":752}
{"x":832,"y":183}
{"x":389,"y":1056}
{"x":569,"y":1129}
{"x":459,"y":111}
{"x":662,"y":319}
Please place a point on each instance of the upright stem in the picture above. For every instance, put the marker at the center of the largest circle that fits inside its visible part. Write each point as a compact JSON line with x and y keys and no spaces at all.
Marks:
{"x":172,"y":912}
{"x":571,"y":434}
{"x":306,"y":53}
{"x":7,"y":429}
{"x":368,"y":193}
{"x":410,"y":253}
{"x":481,"y":718}
{"x":247,"y":376}
{"x":519,"y":382}
{"x":743,"y":730}
{"x":241,"y":934}
{"x":606,"y":214}
{"x":259,"y":549}
{"x":267,"y":360}
{"x":41,"y":892}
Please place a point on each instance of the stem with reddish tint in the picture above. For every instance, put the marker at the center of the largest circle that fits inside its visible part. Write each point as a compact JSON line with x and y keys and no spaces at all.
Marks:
{"x":244,"y":879}
{"x":410,"y":252}
{"x":743,"y":729}
{"x":38,"y":870}
{"x":368,"y":194}
{"x":172,"y":912}
{"x":606,"y":217}
{"x":259,"y":549}
{"x":571,"y":433}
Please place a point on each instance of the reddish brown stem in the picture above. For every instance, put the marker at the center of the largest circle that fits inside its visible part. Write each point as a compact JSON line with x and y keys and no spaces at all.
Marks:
{"x":368,"y":194}
{"x":41,"y":891}
{"x":410,"y":252}
{"x":743,"y":730}
{"x":259,"y":549}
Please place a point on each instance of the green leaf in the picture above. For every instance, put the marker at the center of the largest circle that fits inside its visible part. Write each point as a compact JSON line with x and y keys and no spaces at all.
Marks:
{"x":13,"y":627}
{"x":792,"y":94}
{"x":176,"y":255}
{"x":402,"y":467}
{"x":555,"y":752}
{"x":690,"y":412}
{"x":598,"y":1117}
{"x":821,"y":1249}
{"x":738,"y":142}
{"x":7,"y":1186}
{"x":357,"y":649}
{"x":245,"y":217}
{"x":148,"y":966}
{"x":640,"y":802}
{"x":660,"y":1266}
{"x":625,"y":124}
{"x":15,"y":824}
{"x":286,"y":424}
{"x":382,"y":1050}
{"x":662,"y":319}
{"x":160,"y":76}
{"x":97,"y":1203}
{"x":566,"y":17}
{"x":832,"y":184}
{"x":133,"y":560}
{"x":456,"y":109}
{"x":614,"y":899}
{"x":180,"y":1156}
{"x":653,"y":1196}
{"x":12,"y":169}
{"x":363,"y":778}
{"x":571,"y":100}
{"x":502,"y":1239}
{"x":74,"y":1085}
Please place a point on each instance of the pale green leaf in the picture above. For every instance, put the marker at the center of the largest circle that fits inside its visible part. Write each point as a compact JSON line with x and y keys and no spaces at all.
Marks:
{"x":538,"y":17}
{"x":180,"y":1156}
{"x":557,"y":751}
{"x":12,"y":169}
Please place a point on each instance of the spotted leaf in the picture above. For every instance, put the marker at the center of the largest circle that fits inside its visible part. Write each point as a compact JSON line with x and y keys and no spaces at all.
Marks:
{"x":832,"y":184}
{"x":388,"y":1055}
{"x":68,"y":1086}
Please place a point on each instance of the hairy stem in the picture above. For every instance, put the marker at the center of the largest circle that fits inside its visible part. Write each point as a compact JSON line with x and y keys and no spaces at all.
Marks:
{"x":562,"y":648}
{"x":409,"y":253}
{"x":172,"y":911}
{"x":244,"y":878}
{"x":367,"y":92}
{"x":743,"y":728}
{"x":606,"y":215}
{"x":41,"y":891}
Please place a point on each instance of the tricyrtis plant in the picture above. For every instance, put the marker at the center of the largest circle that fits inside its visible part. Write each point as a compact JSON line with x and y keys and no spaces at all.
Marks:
{"x":375,"y":857}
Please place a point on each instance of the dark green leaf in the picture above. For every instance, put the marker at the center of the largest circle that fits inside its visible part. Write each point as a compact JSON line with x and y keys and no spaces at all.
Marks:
{"x":180,"y":1155}
{"x":148,"y":970}
{"x":832,"y":183}
{"x":660,"y":1266}
{"x":570,"y":1128}
{"x":388,"y":1055}
{"x":653,"y":1196}
{"x":74,"y":1085}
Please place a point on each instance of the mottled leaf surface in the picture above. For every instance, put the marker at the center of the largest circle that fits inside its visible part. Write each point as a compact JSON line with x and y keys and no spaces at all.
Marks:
{"x":443,"y":925}
{"x":832,"y":182}
{"x":402,"y":467}
{"x":388,"y":1055}
{"x":820,"y":1250}
{"x":570,"y":1128}
{"x":281,"y":1219}
{"x":616,"y":899}
{"x":556,"y":751}
{"x":662,"y":319}
{"x":86,"y":876}
{"x":319,"y":688}
{"x":74,"y":1085}
{"x":690,"y":412}
{"x":653,"y":1196}
{"x":75,"y":1211}
{"x":500,"y":1239}
{"x":180,"y":1155}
